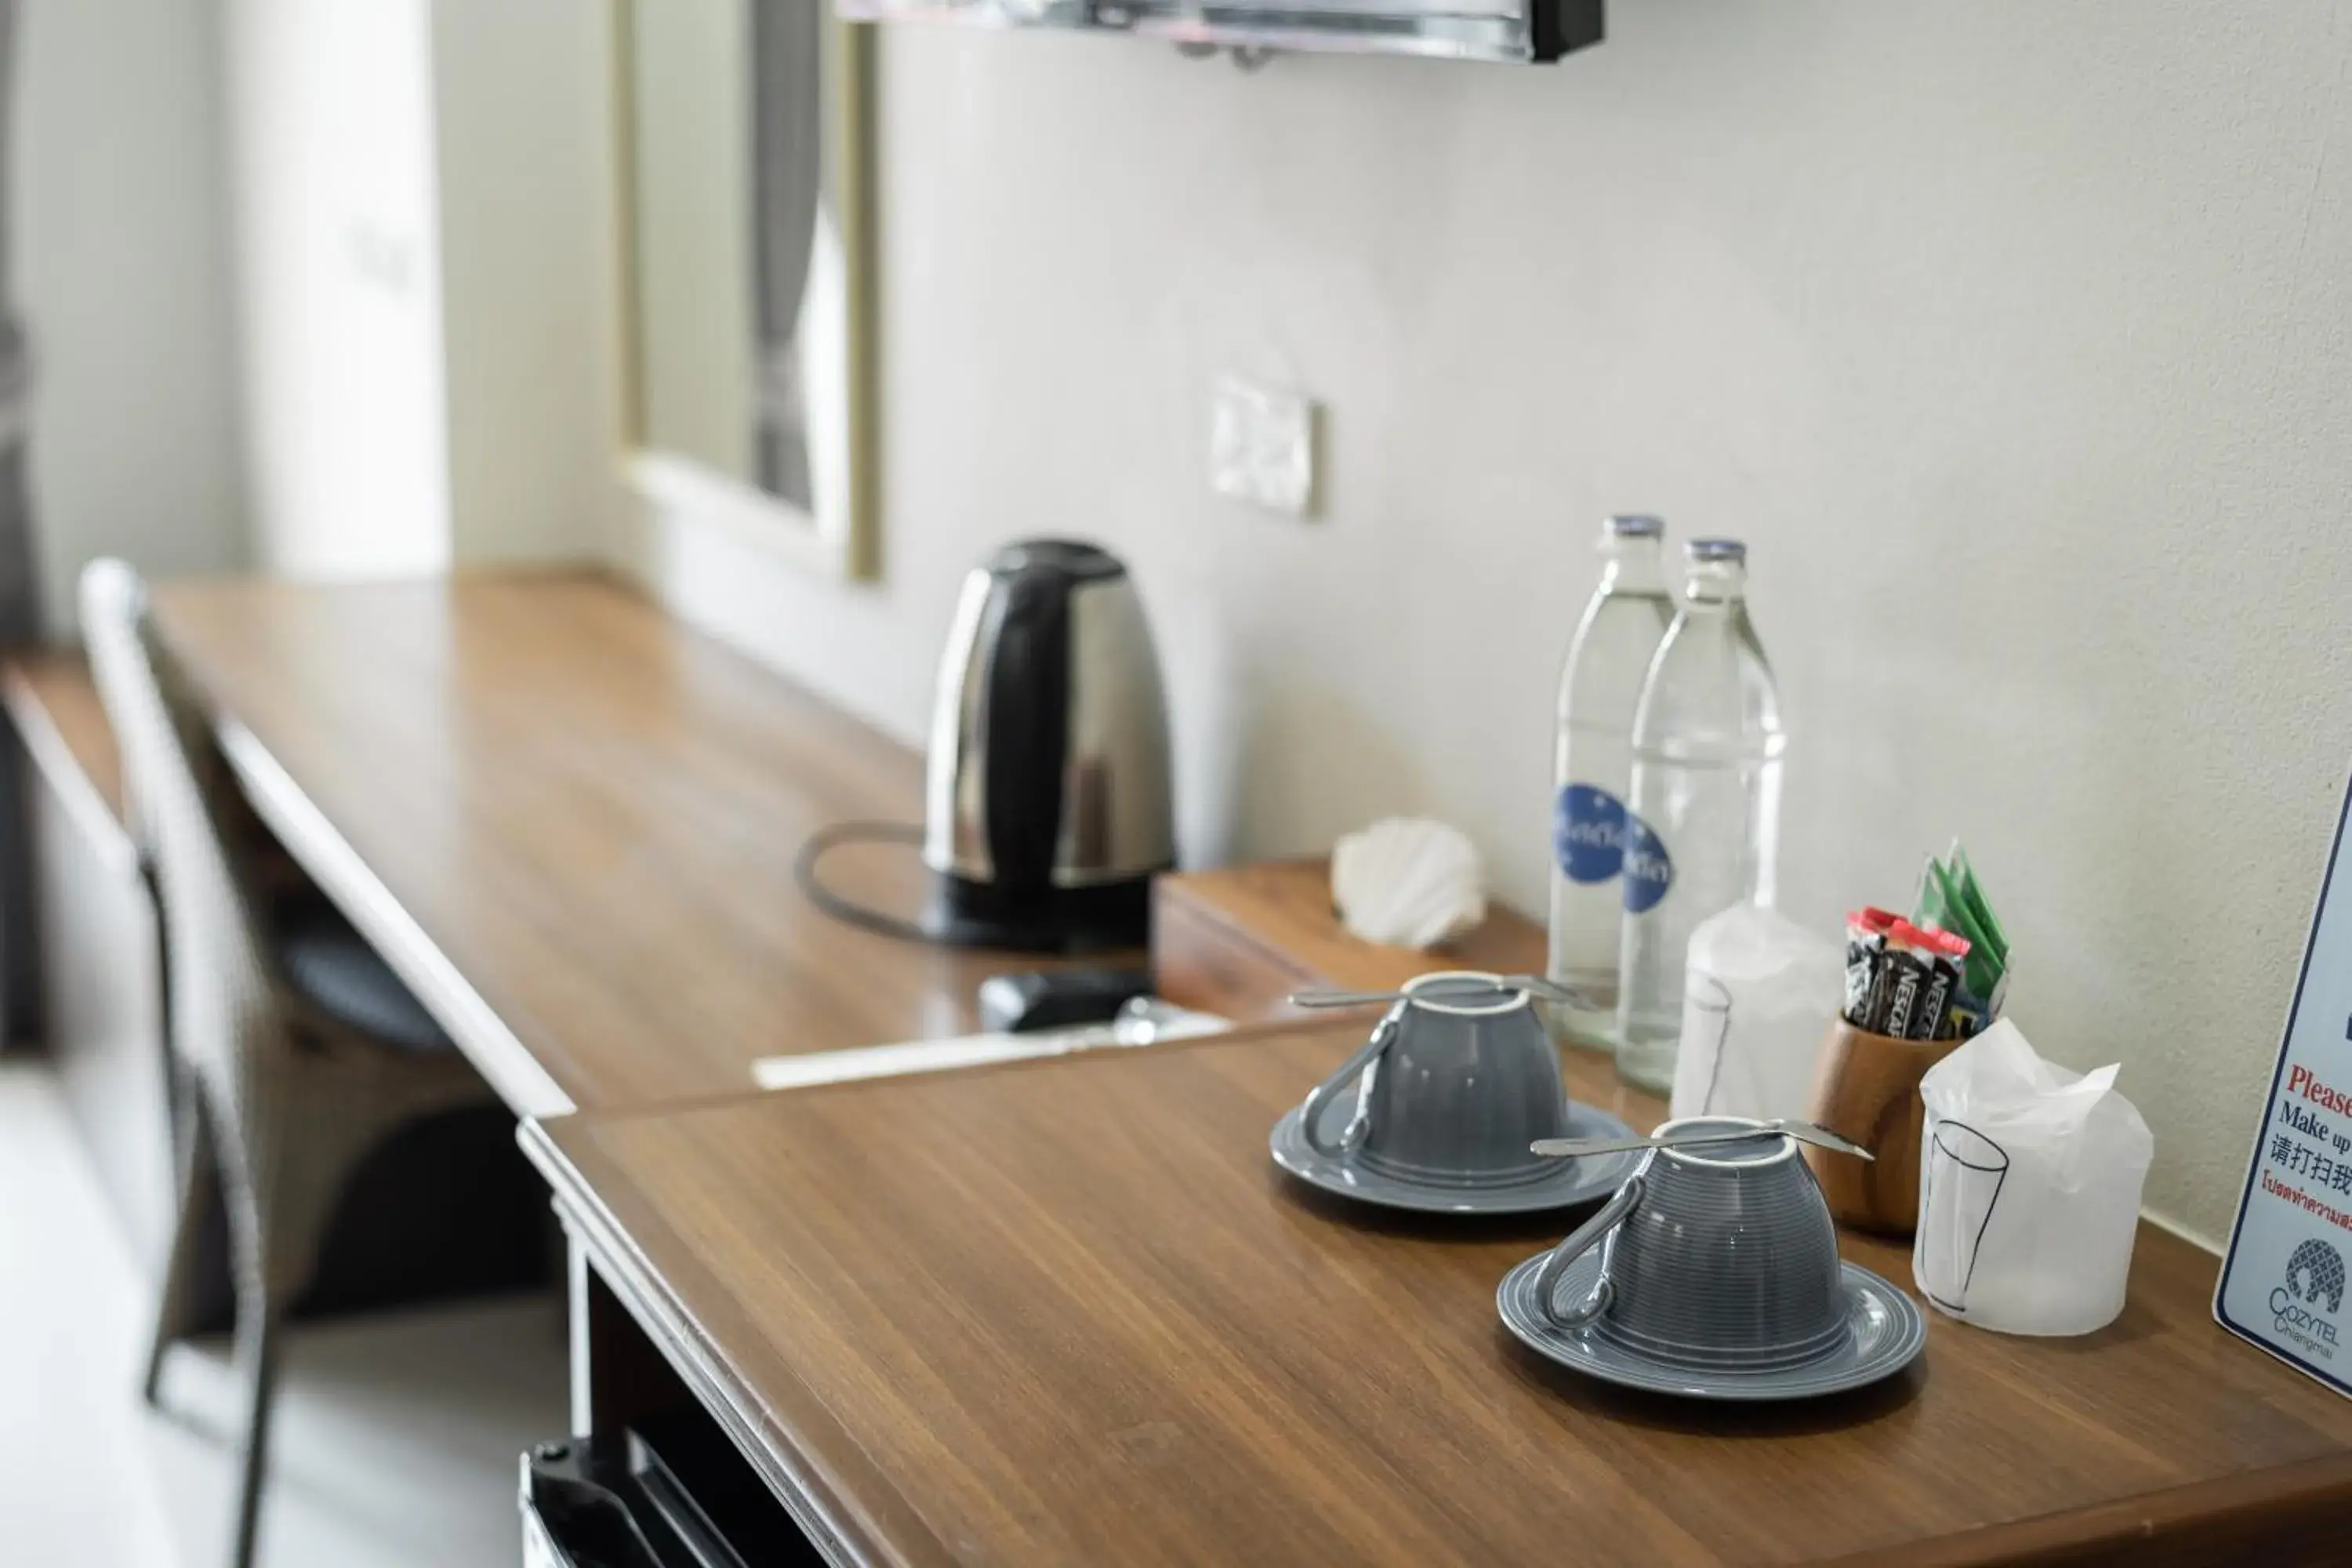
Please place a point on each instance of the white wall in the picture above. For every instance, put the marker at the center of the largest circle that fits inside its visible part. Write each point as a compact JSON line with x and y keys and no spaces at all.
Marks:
{"x":339,"y":285}
{"x":521,"y":92}
{"x":2016,"y":339}
{"x":120,"y":240}
{"x":423,"y":198}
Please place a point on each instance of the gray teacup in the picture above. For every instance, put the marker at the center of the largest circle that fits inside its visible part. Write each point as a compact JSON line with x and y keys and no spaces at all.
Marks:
{"x":1719,"y":1255}
{"x":1457,"y":1080}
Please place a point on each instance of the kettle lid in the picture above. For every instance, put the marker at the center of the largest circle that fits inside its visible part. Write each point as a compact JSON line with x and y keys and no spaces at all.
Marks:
{"x":1073,"y":558}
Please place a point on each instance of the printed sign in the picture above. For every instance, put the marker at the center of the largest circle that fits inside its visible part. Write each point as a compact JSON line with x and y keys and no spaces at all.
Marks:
{"x":2283,"y":1280}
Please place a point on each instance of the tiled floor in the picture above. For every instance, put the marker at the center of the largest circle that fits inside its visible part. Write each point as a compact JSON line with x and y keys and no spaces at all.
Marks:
{"x":395,"y":1437}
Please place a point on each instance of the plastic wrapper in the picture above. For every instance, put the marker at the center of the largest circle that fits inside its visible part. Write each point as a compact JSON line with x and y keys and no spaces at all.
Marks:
{"x":2030,"y":1179}
{"x":1757,"y":990}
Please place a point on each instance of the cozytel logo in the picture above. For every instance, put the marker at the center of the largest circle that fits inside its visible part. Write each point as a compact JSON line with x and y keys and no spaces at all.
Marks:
{"x":2313,"y":1293}
{"x":1587,"y":833}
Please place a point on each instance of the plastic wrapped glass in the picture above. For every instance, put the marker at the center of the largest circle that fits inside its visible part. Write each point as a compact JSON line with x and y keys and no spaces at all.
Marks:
{"x":1757,"y":990}
{"x":2028,"y":1189}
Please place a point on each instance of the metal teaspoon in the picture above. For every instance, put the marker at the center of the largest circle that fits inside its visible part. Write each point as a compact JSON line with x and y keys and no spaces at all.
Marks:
{"x":1802,"y":1131}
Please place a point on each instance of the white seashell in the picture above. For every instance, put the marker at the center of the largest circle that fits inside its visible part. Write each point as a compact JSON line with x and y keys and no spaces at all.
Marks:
{"x":1408,"y":882}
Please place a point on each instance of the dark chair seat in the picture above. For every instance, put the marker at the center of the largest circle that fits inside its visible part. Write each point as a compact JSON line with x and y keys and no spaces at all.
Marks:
{"x":336,"y":971}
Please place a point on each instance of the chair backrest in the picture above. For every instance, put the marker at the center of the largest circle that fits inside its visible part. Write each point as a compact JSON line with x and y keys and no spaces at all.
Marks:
{"x":226,"y":1021}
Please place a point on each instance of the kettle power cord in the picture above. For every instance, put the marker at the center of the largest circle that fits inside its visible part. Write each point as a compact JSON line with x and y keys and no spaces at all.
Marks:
{"x":840,"y":907}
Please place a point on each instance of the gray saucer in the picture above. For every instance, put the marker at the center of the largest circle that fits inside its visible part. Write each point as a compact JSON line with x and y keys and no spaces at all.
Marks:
{"x":1885,"y":1330}
{"x":1573,"y":1182}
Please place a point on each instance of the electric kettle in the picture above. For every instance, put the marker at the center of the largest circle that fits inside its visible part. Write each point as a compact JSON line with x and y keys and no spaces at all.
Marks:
{"x":1047,"y":807}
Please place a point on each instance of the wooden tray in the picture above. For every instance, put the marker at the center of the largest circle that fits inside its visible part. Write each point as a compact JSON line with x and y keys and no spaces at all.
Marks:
{"x":1247,"y":936}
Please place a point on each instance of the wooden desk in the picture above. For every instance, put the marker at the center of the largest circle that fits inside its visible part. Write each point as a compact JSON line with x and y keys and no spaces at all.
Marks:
{"x":54,"y":705}
{"x":1069,"y":1312}
{"x":569,"y":823}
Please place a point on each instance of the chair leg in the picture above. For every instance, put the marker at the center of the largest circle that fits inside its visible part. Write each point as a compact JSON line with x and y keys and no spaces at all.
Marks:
{"x":195,"y":1157}
{"x":257,"y":1347}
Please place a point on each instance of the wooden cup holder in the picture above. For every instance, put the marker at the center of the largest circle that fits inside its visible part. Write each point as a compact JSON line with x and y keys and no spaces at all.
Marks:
{"x":1866,"y":1088}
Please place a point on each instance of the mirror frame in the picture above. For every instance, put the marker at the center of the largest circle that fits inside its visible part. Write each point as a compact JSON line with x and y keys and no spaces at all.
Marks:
{"x":842,"y":541}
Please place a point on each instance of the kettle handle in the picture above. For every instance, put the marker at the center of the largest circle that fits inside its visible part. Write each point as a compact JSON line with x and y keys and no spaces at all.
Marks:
{"x":1364,"y":1063}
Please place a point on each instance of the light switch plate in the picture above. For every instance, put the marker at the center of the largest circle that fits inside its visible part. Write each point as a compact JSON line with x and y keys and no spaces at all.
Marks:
{"x":1262,"y":446}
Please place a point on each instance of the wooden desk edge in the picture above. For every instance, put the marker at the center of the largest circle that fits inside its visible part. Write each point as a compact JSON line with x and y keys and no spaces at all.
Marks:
{"x":502,"y":1058}
{"x":818,"y":1501}
{"x":815,"y":1499}
{"x":92,"y":811}
{"x":2281,"y":1513}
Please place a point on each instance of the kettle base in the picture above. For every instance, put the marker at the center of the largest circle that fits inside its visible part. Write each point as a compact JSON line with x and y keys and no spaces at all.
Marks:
{"x":1107,"y":915}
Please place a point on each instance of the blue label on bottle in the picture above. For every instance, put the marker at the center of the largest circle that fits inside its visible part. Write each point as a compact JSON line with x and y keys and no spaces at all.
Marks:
{"x":1649,"y":870}
{"x":1588,"y":828}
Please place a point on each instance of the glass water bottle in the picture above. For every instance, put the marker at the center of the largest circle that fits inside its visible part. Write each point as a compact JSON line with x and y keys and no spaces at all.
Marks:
{"x":1592,"y":766}
{"x":1702,"y":823}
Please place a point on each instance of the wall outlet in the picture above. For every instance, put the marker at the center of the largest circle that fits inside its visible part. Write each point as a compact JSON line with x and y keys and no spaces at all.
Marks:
{"x":1262,"y":446}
